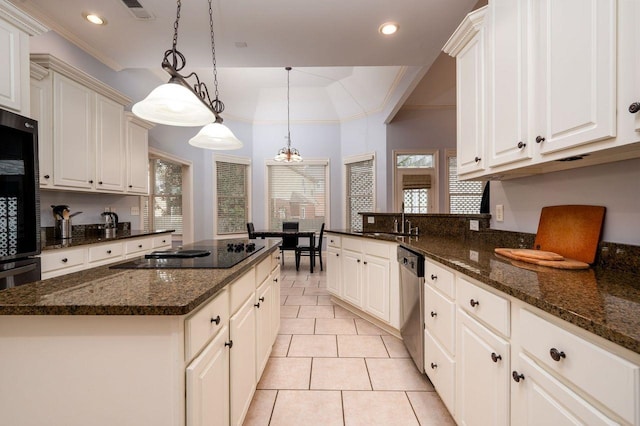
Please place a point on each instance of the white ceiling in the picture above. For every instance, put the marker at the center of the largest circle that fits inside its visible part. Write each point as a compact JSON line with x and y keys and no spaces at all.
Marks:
{"x":343,"y":68}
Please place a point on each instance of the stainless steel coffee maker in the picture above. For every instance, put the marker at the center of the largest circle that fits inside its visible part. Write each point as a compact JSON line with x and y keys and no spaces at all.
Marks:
{"x":110,"y":224}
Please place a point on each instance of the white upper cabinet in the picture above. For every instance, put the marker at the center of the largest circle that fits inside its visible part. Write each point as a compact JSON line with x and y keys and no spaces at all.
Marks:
{"x":574,"y":55}
{"x":508,"y":76}
{"x":83,"y":143}
{"x":15,"y":29}
{"x":468,"y":46}
{"x":558,"y":78}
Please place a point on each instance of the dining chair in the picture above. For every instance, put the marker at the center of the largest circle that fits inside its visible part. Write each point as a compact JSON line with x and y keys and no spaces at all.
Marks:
{"x":306,"y":251}
{"x":289,"y":243}
{"x":251,"y":230}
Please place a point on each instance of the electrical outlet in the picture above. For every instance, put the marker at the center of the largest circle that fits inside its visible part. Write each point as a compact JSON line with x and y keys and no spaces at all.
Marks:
{"x":135,"y":211}
{"x":473,"y":255}
{"x":371,"y":219}
{"x":499,"y":213}
{"x":474,"y":225}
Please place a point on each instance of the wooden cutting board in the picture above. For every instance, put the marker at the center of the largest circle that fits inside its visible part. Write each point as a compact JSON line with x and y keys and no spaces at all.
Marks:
{"x":572,"y":231}
{"x":566,"y":263}
{"x":537,"y":254}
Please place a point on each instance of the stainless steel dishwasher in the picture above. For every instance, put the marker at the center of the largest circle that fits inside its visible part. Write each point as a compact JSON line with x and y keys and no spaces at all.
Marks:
{"x":412,"y":300}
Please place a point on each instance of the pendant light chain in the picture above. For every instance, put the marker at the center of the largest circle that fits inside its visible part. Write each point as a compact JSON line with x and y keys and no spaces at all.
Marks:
{"x":217,"y":104}
{"x":288,"y":108}
{"x":176,"y":24}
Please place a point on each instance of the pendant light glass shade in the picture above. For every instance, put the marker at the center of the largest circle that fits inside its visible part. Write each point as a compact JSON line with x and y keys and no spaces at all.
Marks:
{"x":174,"y":105}
{"x":216,"y":136}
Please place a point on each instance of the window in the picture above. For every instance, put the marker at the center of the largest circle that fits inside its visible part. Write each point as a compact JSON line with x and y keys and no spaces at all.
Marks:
{"x":416,"y":181}
{"x":163,"y":209}
{"x":464,"y":196}
{"x":232,"y":194}
{"x":360,"y":189}
{"x":299,"y":193}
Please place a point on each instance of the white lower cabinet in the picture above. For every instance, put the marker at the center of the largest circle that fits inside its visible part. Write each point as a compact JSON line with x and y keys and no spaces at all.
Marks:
{"x":208,"y":384}
{"x":264,"y":338}
{"x":482,"y":362}
{"x":242,"y":371}
{"x":376,"y":282}
{"x":441,"y":369}
{"x":334,"y":271}
{"x":275,"y":300}
{"x":352,"y":277}
{"x":538,"y":398}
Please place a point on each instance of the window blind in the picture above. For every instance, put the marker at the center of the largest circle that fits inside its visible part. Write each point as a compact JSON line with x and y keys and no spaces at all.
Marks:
{"x":464,"y":196}
{"x":166,"y":199}
{"x":359,"y":192}
{"x":297,"y":193}
{"x":232,"y":197}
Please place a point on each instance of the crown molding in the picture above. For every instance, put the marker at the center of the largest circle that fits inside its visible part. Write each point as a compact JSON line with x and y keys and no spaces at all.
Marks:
{"x":467,"y":29}
{"x":131,"y":117}
{"x":21,"y":20}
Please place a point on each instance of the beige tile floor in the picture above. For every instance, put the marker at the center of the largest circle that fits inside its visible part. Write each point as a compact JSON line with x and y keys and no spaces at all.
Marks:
{"x":330,"y":367}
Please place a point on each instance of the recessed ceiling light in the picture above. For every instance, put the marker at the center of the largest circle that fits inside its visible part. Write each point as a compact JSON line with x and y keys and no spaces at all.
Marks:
{"x":388,"y":28}
{"x":94,"y":19}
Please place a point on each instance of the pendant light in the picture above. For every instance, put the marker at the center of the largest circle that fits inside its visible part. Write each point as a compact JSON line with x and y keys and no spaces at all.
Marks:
{"x":180,"y":103}
{"x":288,"y":154}
{"x":215,"y":135}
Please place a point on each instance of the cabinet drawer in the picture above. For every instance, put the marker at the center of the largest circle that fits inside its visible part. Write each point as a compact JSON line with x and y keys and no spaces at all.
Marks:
{"x":161,"y":241}
{"x":206,"y":323}
{"x":441,"y":370}
{"x":334,"y":241}
{"x":105,"y":251}
{"x":489,"y":308}
{"x":262,"y":271}
{"x":241,"y":289}
{"x":275,"y":259}
{"x":61,"y":259}
{"x":377,"y":249}
{"x":608,"y":378}
{"x":440,"y":278}
{"x":139,"y":245}
{"x":353,"y":244}
{"x":440,"y":318}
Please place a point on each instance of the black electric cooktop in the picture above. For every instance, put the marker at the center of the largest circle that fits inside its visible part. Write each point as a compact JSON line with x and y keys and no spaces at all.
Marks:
{"x":220,"y":254}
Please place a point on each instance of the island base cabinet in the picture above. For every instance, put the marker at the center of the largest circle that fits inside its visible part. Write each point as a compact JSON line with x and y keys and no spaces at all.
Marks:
{"x":208,"y":384}
{"x":242,"y":364}
{"x":483,"y":374}
{"x":539,"y":399}
{"x":264,"y":305}
{"x":334,"y":271}
{"x":376,"y":277}
{"x":441,"y":369}
{"x":275,"y":305}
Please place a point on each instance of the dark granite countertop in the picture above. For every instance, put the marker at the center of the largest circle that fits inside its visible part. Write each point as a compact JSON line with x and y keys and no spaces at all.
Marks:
{"x":105,"y":291}
{"x":57,"y":243}
{"x":603,"y":301}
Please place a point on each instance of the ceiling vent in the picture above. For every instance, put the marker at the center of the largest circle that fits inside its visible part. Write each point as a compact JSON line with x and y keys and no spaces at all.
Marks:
{"x":138,"y":12}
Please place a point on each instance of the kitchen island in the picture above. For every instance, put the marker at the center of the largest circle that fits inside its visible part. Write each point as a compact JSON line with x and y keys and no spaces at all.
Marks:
{"x":109,"y":346}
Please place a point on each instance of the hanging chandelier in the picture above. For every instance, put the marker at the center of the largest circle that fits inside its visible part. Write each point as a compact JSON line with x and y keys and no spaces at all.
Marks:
{"x":179,"y":103}
{"x":288,"y":154}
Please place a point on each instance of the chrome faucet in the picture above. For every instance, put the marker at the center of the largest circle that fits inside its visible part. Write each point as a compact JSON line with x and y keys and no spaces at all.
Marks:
{"x":402,"y":212}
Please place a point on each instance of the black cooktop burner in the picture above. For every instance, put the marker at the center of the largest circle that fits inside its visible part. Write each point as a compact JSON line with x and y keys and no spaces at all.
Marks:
{"x":200,"y":255}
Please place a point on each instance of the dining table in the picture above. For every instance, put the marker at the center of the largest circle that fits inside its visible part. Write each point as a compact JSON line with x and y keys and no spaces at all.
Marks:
{"x":292,"y":233}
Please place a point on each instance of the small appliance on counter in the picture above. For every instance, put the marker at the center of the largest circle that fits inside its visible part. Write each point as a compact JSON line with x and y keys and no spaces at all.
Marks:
{"x":19,"y":200}
{"x":110,"y":224}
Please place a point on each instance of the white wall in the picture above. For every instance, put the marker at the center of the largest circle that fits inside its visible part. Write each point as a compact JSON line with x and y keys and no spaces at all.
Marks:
{"x":613,"y":185}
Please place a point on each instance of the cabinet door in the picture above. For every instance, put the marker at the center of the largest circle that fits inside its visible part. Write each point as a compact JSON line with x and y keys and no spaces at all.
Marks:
{"x":137,"y":159}
{"x":334,"y":271}
{"x":208,"y":384}
{"x":110,"y":145}
{"x":10,"y":72}
{"x":508,"y":73}
{"x":482,"y":384}
{"x":376,"y":287}
{"x":242,"y":376}
{"x":471,"y":82}
{"x":73,"y":134}
{"x":263,"y":304}
{"x":275,"y":303}
{"x":539,"y":399}
{"x":41,"y":110}
{"x":352,"y":277}
{"x":575,"y":85}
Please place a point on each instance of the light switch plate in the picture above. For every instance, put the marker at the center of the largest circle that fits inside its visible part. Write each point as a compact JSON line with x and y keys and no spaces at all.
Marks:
{"x":499,"y":212}
{"x":474,"y":225}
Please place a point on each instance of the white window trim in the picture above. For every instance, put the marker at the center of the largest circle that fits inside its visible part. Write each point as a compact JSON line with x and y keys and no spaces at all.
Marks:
{"x":311,"y":161}
{"x":235,"y":160}
{"x":435,"y":182}
{"x":187,"y":191}
{"x":350,"y":160}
